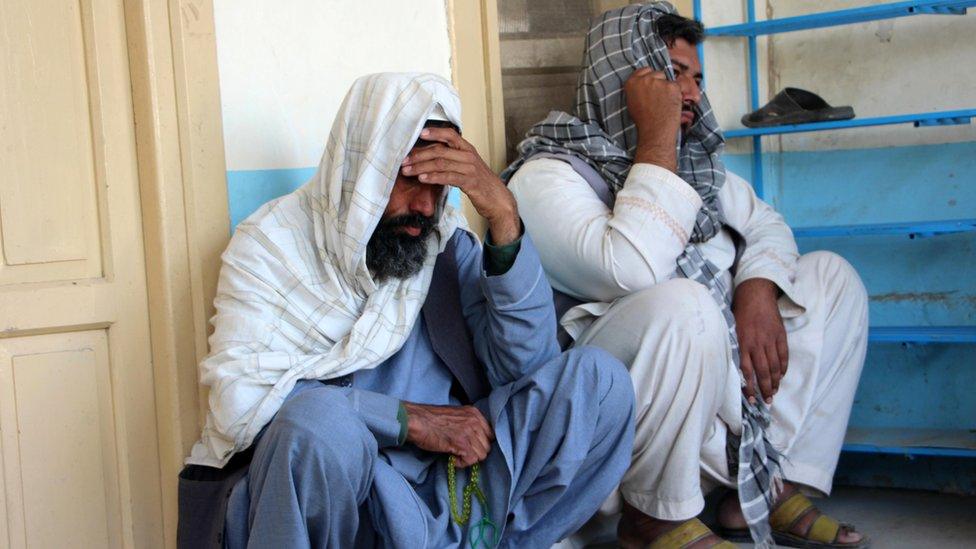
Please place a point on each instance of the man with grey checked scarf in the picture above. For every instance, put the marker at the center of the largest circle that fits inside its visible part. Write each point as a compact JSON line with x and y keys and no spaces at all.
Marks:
{"x":671,"y":263}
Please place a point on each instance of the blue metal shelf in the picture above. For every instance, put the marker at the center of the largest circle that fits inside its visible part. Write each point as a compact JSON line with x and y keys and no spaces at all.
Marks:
{"x":922,"y":334}
{"x":911,"y":442}
{"x":753,"y":28}
{"x":942,"y":118}
{"x":912,"y":230}
{"x":844,"y":17}
{"x":908,"y":442}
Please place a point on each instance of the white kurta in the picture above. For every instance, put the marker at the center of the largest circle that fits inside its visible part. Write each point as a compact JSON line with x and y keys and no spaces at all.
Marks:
{"x":672,"y":335}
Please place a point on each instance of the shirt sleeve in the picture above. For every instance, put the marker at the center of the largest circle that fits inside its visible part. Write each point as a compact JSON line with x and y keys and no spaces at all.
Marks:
{"x":383,"y":415}
{"x":596,"y":253}
{"x":770,"y":249}
{"x":510,"y":315}
{"x":499,"y":259}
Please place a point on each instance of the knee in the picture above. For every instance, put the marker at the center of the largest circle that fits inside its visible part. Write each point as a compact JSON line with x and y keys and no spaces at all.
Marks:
{"x":840,"y":280}
{"x":678,"y":306}
{"x":321,"y":426}
{"x":600,"y":373}
{"x":682,"y":315}
{"x":673,"y":295}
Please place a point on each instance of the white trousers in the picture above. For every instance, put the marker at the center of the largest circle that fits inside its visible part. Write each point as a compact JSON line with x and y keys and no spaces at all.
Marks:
{"x":674,"y":339}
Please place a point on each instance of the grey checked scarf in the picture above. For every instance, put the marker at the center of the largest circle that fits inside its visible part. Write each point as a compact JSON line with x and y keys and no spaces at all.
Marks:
{"x":603,"y":135}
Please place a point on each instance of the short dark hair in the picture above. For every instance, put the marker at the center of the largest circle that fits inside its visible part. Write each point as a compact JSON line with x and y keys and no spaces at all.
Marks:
{"x":421,"y":142}
{"x":442,"y":124}
{"x":671,"y":26}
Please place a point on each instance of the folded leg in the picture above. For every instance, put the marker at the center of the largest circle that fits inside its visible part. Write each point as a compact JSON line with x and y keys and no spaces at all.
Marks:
{"x":566,"y":432}
{"x":674,"y":340}
{"x":312,"y":470}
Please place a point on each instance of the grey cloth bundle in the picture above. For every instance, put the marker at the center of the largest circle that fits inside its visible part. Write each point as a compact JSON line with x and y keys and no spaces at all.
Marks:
{"x":603,"y":135}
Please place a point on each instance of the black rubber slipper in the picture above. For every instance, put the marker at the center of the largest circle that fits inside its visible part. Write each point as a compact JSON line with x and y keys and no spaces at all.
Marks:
{"x":795,"y":106}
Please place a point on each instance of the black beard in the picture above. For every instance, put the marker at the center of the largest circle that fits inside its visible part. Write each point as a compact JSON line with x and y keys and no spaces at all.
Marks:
{"x":391,"y":253}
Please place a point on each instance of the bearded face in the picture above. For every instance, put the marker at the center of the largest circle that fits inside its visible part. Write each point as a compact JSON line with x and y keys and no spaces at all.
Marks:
{"x":398,"y":246}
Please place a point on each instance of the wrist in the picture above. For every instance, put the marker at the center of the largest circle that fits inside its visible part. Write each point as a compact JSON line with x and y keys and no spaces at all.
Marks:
{"x":663,"y":155}
{"x":505,"y":227}
{"x":762,"y":285}
{"x":414,"y":423}
{"x":755,"y":291}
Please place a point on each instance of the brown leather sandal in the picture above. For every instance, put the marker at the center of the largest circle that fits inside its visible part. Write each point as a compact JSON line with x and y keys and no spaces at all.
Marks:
{"x":822,"y":533}
{"x":687,"y":534}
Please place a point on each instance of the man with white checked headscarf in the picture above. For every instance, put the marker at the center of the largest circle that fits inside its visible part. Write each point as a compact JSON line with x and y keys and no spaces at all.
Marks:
{"x":671,"y":263}
{"x":378,"y":377}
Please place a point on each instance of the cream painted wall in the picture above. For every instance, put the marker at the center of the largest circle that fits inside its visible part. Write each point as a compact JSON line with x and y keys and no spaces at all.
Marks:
{"x":906,"y":65}
{"x":286,"y":65}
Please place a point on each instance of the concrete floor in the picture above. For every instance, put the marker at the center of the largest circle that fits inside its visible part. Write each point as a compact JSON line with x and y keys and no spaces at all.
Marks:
{"x":897,"y":519}
{"x":893,"y":519}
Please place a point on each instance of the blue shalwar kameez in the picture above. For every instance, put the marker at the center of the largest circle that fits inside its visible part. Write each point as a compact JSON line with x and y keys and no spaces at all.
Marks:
{"x":328,"y":470}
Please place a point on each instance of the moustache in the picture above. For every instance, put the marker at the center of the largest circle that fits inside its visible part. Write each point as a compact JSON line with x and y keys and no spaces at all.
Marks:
{"x":423,"y":222}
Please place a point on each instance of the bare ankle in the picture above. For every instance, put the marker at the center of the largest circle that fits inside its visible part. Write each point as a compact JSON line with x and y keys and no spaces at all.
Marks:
{"x":637,"y":529}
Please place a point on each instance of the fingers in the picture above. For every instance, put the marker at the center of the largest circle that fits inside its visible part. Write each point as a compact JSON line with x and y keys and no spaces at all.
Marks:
{"x":476,"y":440}
{"x":447,"y":136}
{"x":438,"y":165}
{"x":453,"y":179}
{"x":462,"y":461}
{"x":648,"y":72}
{"x":748,"y":374}
{"x":442,"y":165}
{"x":763,"y":378}
{"x":775,"y":373}
{"x":483,"y":432}
{"x":474,"y":450}
{"x":488,"y":430}
{"x":439,"y":151}
{"x":783,"y":348}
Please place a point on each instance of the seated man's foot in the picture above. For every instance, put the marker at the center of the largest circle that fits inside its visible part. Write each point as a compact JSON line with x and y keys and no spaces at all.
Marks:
{"x":639,"y":531}
{"x":796,"y":522}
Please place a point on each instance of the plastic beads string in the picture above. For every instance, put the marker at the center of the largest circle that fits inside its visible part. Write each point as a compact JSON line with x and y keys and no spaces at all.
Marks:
{"x":484,"y":532}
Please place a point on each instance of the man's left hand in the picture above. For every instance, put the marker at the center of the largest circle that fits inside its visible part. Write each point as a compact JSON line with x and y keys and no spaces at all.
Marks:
{"x":454,"y":161}
{"x":763,"y":352}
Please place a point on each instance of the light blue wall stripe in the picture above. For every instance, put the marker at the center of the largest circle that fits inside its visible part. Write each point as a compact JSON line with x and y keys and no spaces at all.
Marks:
{"x":247,"y":190}
{"x":869,"y":185}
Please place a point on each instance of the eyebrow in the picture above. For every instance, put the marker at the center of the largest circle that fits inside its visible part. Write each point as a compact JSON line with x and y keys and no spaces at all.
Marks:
{"x":684,"y":67}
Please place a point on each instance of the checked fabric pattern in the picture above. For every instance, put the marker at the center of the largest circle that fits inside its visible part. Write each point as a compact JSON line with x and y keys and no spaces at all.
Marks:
{"x":602,"y":134}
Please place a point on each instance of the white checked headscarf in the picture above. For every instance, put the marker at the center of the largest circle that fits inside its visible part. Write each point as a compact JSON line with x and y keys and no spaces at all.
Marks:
{"x":603,"y":135}
{"x":296,"y":299}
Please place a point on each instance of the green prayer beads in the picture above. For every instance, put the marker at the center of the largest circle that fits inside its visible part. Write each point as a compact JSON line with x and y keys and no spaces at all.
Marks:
{"x":484,"y":531}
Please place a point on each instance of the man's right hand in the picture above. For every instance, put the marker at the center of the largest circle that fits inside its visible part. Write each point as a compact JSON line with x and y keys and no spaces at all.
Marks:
{"x":458,"y":430}
{"x":654,"y":104}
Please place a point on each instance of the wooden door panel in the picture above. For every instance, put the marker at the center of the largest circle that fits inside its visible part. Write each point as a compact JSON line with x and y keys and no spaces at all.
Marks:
{"x":78,"y":431}
{"x":49,"y":224}
{"x":59,"y":441}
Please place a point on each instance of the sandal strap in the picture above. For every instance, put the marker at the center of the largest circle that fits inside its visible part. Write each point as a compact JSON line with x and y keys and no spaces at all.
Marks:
{"x":684,"y":535}
{"x":823,"y":530}
{"x":787,"y":513}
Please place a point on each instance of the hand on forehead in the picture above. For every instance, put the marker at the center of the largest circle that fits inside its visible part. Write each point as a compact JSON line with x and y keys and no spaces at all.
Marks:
{"x":411,"y":195}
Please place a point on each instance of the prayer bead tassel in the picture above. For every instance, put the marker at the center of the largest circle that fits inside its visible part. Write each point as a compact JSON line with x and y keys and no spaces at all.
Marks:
{"x":485,"y":531}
